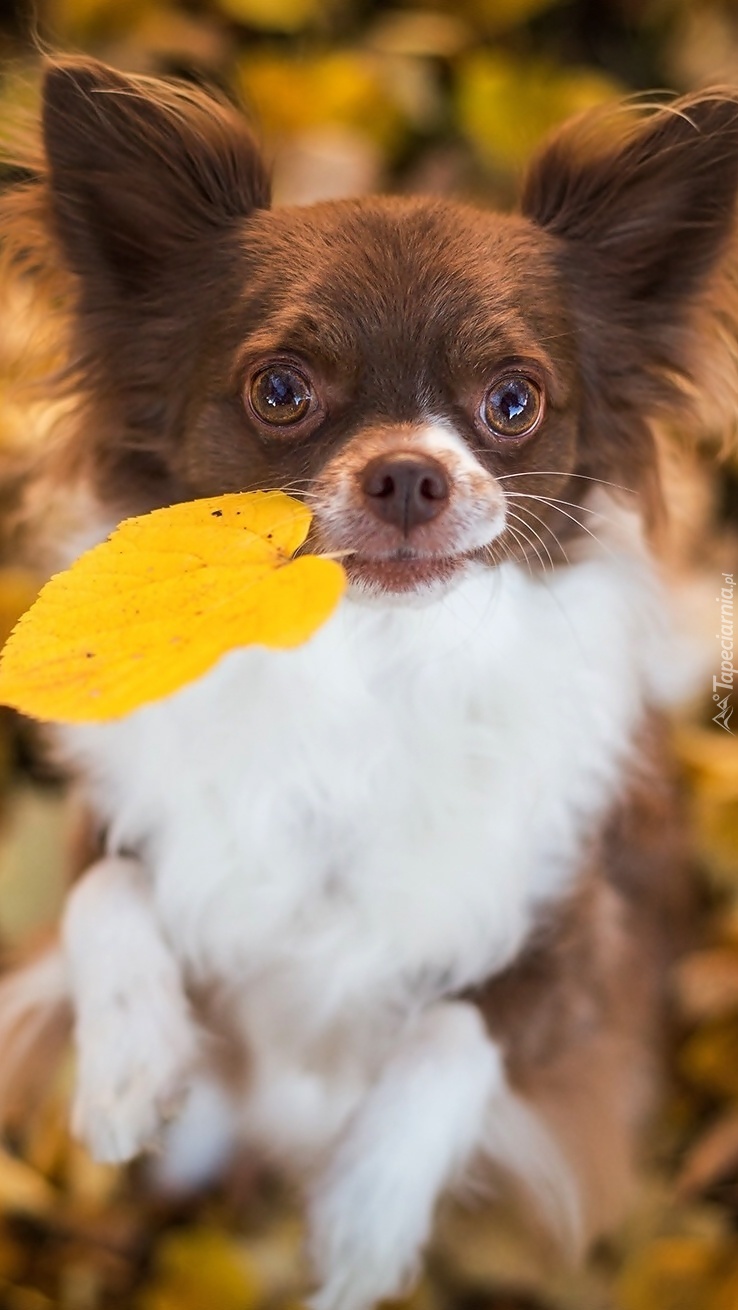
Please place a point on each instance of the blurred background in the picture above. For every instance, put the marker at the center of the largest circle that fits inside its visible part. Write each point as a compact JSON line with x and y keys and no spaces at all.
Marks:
{"x":353,"y":96}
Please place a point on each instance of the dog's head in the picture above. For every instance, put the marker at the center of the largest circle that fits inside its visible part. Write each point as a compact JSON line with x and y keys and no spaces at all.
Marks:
{"x":439,"y":382}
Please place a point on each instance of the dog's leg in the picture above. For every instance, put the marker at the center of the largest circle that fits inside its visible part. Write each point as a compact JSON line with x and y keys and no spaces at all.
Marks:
{"x":202,"y":1142}
{"x":416,"y":1130}
{"x":136,"y":1041}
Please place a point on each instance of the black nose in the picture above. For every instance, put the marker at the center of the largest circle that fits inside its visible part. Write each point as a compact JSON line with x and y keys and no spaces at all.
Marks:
{"x":406,"y":490}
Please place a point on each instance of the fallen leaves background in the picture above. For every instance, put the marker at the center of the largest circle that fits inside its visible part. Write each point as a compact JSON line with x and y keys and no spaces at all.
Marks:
{"x":412,"y":95}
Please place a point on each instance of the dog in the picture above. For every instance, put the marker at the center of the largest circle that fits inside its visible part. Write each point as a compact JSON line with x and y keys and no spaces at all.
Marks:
{"x":391,"y":911}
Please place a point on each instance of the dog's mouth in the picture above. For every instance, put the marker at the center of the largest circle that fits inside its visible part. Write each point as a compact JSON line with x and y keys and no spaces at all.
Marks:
{"x":406,"y":508}
{"x":403,"y":570}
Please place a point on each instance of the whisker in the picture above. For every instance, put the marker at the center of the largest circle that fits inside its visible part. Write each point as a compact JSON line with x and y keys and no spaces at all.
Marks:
{"x":588,"y":531}
{"x":298,"y":489}
{"x":500,"y":545}
{"x":557,"y":473}
{"x":527,"y":544}
{"x":537,"y":536}
{"x":542,"y":521}
{"x":500,"y":553}
{"x":524,"y":534}
{"x":522,"y":546}
{"x":556,"y":500}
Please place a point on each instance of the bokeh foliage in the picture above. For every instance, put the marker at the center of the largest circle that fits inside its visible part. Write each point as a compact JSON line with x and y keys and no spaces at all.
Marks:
{"x":430,"y":95}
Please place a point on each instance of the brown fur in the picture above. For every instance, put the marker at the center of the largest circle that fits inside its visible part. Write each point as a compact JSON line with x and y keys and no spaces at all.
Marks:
{"x":582,"y":1014}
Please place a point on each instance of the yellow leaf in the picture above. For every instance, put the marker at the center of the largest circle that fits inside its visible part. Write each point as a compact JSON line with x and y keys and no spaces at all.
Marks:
{"x":423,"y":34}
{"x":710,"y":759}
{"x":159,"y":602}
{"x":22,"y":1190}
{"x":273,"y":15}
{"x":27,"y":1298}
{"x":672,"y":1273}
{"x":499,"y":15}
{"x":507,"y":105}
{"x":713,"y":1157}
{"x":11,"y":1257}
{"x":199,"y":1269}
{"x":291,"y":95}
{"x":709,"y":1057}
{"x":81,"y":17}
{"x":726,"y":1296}
{"x":707,"y":982}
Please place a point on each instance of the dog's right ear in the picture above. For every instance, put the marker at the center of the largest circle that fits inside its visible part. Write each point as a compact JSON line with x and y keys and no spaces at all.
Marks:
{"x":142,"y":172}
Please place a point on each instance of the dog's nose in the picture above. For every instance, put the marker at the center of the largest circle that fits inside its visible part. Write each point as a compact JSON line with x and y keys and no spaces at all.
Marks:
{"x":406,"y":490}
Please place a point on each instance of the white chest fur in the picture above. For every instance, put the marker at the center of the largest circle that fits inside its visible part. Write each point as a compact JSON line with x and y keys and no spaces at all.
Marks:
{"x":382,"y":811}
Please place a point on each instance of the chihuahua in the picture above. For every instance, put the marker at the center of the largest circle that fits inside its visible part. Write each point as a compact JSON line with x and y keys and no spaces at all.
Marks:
{"x":391,"y":911}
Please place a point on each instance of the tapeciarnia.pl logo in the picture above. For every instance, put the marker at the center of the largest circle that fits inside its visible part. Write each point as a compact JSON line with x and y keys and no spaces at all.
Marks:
{"x":723,"y":682}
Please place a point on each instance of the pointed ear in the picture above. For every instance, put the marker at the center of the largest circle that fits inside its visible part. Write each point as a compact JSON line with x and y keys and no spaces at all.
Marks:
{"x":141,"y":171}
{"x":642,"y":211}
{"x":651,"y":212}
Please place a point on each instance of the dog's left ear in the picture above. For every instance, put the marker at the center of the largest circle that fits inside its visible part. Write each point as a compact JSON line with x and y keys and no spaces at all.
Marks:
{"x":143,"y":175}
{"x":646,"y":218}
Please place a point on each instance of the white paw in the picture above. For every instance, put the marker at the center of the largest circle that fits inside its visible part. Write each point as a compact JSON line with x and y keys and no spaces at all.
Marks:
{"x":366,"y":1239}
{"x":135,"y":1061}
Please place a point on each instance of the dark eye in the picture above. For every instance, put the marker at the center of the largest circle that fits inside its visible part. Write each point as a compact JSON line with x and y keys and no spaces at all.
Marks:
{"x":280,"y":394}
{"x":513,"y":407}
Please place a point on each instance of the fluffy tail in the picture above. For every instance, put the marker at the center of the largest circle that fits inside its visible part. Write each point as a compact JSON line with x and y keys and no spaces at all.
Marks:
{"x":35,"y":1021}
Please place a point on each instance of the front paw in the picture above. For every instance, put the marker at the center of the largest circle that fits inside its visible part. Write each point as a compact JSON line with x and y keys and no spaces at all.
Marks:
{"x":366,"y":1240}
{"x":134,"y":1068}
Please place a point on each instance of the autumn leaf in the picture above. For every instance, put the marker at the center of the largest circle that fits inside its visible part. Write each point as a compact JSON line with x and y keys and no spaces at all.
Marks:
{"x":293,"y":95}
{"x":710,"y":762}
{"x":273,"y":15}
{"x":505,"y":105}
{"x":199,"y":1268}
{"x":709,"y":1057}
{"x":726,"y":1295}
{"x":707,"y":983}
{"x":713,"y":1157}
{"x":674,"y":1273}
{"x":496,"y":15}
{"x":22,"y":1190}
{"x":159,"y":602}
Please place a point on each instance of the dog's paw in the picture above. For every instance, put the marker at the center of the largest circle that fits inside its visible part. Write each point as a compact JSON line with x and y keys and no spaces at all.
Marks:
{"x":134,"y":1066}
{"x":366,"y":1238}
